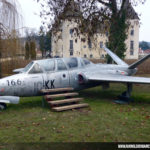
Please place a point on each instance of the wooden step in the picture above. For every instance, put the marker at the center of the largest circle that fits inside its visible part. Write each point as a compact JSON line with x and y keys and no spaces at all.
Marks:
{"x":61,"y":95}
{"x":69,"y":107}
{"x":56,"y":90}
{"x":65,"y":101}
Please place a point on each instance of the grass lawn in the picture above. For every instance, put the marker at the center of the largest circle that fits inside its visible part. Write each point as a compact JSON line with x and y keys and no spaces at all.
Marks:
{"x":103,"y":121}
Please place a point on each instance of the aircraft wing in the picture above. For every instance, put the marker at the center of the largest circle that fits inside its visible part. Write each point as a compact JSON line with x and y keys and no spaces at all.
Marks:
{"x":117,"y":78}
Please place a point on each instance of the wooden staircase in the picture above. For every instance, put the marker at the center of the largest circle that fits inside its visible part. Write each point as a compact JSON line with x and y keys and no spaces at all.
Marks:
{"x":61,"y":104}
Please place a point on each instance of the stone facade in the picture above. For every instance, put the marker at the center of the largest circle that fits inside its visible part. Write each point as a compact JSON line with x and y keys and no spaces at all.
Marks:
{"x":65,"y":42}
{"x":132,"y":41}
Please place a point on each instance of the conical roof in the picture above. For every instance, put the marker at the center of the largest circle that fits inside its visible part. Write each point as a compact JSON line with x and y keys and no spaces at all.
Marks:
{"x":131,"y":14}
{"x":72,"y":9}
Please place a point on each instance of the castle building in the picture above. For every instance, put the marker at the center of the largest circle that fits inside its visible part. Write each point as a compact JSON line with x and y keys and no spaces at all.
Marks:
{"x":66,"y":43}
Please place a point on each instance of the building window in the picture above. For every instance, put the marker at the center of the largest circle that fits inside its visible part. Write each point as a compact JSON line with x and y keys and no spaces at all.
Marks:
{"x":71,"y":47}
{"x":76,"y":40}
{"x":107,"y":34}
{"x":71,"y":44}
{"x":132,"y":32}
{"x":131,"y":47}
{"x":85,"y":56}
{"x":131,"y":52}
{"x":71,"y":32}
{"x":102,"y":56}
{"x":71,"y":52}
{"x":89,"y":43}
{"x":101,"y":44}
{"x":83,"y":40}
{"x":106,"y":43}
{"x":91,"y":56}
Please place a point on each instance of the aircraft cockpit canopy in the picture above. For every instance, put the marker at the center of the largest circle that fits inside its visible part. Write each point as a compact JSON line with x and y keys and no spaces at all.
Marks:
{"x":86,"y":62}
{"x":27,"y":67}
{"x":39,"y":66}
{"x":71,"y":62}
{"x":36,"y":69}
{"x":48,"y":65}
{"x":60,"y":64}
{"x":74,"y":62}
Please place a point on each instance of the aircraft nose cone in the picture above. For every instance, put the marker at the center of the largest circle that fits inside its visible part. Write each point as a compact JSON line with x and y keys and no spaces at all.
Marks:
{"x":2,"y":89}
{"x":3,"y":84}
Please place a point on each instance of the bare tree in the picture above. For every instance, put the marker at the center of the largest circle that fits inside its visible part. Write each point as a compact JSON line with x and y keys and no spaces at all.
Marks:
{"x":9,"y":19}
{"x":8,"y":15}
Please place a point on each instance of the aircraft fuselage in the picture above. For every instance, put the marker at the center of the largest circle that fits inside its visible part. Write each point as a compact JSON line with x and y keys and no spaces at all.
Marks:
{"x":25,"y":84}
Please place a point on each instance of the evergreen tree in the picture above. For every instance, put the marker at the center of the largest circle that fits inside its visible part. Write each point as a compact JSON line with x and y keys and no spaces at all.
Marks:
{"x":118,"y":35}
{"x":48,"y":41}
{"x":144,"y":45}
{"x":45,"y":42}
{"x":27,"y":49}
{"x":42,"y":41}
{"x":1,"y":48}
{"x":32,"y":50}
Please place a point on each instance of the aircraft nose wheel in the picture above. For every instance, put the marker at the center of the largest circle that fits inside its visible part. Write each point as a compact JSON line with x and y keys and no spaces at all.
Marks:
{"x":3,"y":106}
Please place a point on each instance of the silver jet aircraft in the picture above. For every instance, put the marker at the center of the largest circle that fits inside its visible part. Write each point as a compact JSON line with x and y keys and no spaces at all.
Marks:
{"x":78,"y":73}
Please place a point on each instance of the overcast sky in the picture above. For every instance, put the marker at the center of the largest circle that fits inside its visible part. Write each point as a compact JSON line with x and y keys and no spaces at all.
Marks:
{"x":29,"y":11}
{"x":30,"y":8}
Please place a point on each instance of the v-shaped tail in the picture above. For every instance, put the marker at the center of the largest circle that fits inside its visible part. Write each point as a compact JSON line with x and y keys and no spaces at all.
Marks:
{"x":135,"y":64}
{"x":115,"y":57}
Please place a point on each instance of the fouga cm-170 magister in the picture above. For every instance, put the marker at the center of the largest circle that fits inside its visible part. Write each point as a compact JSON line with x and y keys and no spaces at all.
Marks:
{"x":78,"y":73}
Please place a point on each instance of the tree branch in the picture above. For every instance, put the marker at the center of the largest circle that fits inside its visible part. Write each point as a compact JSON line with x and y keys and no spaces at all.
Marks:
{"x":124,"y":2}
{"x":104,"y":3}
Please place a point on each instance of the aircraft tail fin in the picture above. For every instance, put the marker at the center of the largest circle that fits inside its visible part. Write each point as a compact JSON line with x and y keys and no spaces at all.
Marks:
{"x":135,"y":64}
{"x":115,"y":57}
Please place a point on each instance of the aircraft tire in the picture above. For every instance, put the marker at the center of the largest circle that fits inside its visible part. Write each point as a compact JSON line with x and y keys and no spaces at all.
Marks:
{"x":3,"y":106}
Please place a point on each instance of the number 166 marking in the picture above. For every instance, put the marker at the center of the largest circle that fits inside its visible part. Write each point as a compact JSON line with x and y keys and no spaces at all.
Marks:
{"x":13,"y":83}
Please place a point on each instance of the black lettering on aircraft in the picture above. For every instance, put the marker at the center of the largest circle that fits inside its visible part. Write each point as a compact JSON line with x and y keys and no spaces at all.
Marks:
{"x":13,"y":82}
{"x":46,"y":85}
{"x":52,"y":84}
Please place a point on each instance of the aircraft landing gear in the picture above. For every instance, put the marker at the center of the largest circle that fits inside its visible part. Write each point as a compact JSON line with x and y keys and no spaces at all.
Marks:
{"x":3,"y":106}
{"x":125,"y":97}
